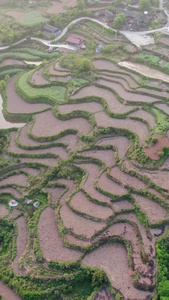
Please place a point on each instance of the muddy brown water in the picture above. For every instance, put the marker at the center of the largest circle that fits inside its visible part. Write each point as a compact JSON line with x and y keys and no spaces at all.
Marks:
{"x":50,"y":241}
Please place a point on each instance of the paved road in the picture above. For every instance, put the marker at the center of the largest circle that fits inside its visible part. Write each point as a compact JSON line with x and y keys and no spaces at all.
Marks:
{"x":138,"y":38}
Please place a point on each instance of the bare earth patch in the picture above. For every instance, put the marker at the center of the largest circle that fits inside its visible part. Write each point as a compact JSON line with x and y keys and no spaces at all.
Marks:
{"x":19,"y":179}
{"x":18,"y":15}
{"x":10,"y":61}
{"x":79,"y":225}
{"x":112,"y":259}
{"x":16,"y":105}
{"x":73,"y":240}
{"x":153,"y":210}
{"x":142,"y":114}
{"x":55,"y":126}
{"x":37,"y":77}
{"x":110,"y":186}
{"x":92,"y":174}
{"x":82,"y":204}
{"x":136,"y":126}
{"x":61,"y":7}
{"x":90,"y":107}
{"x":113,"y":104}
{"x":3,"y":210}
{"x":55,"y":193}
{"x":107,"y":156}
{"x":7,"y":293}
{"x":50,"y":241}
{"x":153,"y":151}
{"x":12,"y":191}
{"x":121,"y":205}
{"x":121,"y":142}
{"x":127,"y":179}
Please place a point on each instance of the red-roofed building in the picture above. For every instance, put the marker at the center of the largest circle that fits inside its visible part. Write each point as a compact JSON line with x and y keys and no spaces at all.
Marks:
{"x":75,"y":42}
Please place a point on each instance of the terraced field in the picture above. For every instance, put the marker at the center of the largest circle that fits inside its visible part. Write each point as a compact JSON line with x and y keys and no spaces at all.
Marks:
{"x":89,"y":196}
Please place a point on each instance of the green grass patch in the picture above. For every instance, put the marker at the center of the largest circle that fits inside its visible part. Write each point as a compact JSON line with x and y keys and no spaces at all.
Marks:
{"x":32,"y":19}
{"x":9,"y":72}
{"x":54,"y":93}
{"x":161,"y":120}
{"x":19,"y":56}
{"x":148,"y":58}
{"x":32,"y":51}
{"x":101,"y":29}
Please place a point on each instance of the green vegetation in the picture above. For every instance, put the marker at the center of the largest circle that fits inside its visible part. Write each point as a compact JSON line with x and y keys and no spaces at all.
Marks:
{"x":119,"y":20}
{"x":161,"y":121}
{"x":53,"y":94}
{"x":33,"y":18}
{"x":148,"y":58}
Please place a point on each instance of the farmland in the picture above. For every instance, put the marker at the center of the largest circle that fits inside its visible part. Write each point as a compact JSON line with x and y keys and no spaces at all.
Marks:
{"x":84,"y":169}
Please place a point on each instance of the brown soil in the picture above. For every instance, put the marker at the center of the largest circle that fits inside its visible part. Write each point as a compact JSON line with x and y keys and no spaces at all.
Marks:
{"x":32,"y":171}
{"x":127,"y":96}
{"x":158,"y":147}
{"x":127,"y":179}
{"x":137,"y":127}
{"x":19,"y":179}
{"x":70,"y":140}
{"x":110,"y":186}
{"x":70,"y":185}
{"x":90,"y":107}
{"x":10,"y":61}
{"x":79,"y":225}
{"x":82,"y":204}
{"x":52,"y":71}
{"x":113,"y":104}
{"x":37,"y":77}
{"x":21,"y":243}
{"x":3,"y":210}
{"x":11,"y":191}
{"x":126,"y":76}
{"x":24,"y":139}
{"x":18,"y":15}
{"x":61,"y":7}
{"x":145,"y":116}
{"x":55,"y":193}
{"x":163,"y":107}
{"x":7,"y":293}
{"x":71,"y":239}
{"x":55,"y":126}
{"x":131,"y":49}
{"x":153,"y":191}
{"x":121,"y":142}
{"x":107,"y":156}
{"x":50,"y":241}
{"x":148,"y":244}
{"x":123,"y":204}
{"x":112,"y":259}
{"x":14,"y":213}
{"x":159,"y":177}
{"x":92,"y":174}
{"x":58,"y":151}
{"x":153,"y":210}
{"x":44,"y":161}
{"x":16,"y":105}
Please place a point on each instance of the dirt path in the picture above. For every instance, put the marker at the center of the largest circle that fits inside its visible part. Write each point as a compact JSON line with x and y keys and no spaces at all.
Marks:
{"x":144,"y":70}
{"x":7,"y":293}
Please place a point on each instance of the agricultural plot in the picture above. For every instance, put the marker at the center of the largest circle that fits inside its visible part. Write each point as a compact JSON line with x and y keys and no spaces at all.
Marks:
{"x":88,"y":194}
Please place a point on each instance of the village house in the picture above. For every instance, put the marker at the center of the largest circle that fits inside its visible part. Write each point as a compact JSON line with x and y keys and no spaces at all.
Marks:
{"x":75,"y":42}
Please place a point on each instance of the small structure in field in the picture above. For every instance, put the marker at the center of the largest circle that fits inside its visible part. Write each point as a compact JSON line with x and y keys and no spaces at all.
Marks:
{"x":36,"y":204}
{"x":75,"y":42}
{"x":27,"y":201}
{"x":49,"y":29}
{"x":13,"y":203}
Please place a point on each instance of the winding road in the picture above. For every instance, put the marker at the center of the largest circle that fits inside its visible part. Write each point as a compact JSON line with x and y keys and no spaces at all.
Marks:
{"x":139,"y":38}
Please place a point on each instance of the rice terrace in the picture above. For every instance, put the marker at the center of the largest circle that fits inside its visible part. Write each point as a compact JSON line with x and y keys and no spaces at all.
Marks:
{"x":84,"y":150}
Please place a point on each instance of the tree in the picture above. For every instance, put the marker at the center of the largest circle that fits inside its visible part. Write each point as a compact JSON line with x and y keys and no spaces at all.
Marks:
{"x":119,"y":20}
{"x":84,"y":64}
{"x":144,"y":5}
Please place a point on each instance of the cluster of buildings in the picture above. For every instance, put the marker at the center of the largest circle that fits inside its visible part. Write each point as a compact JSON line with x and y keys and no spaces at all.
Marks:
{"x":135,"y":20}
